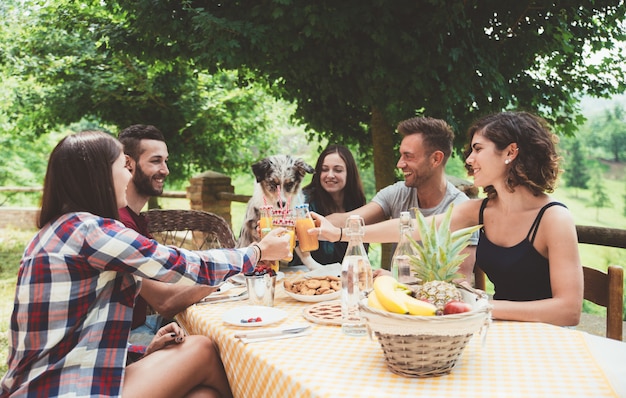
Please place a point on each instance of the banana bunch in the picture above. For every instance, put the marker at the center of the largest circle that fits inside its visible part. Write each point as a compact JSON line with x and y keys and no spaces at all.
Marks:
{"x":389,"y":295}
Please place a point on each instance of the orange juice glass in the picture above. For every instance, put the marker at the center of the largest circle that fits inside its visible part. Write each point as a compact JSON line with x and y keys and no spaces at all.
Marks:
{"x":304,"y":222}
{"x":265,"y":217}
{"x":289,"y":224}
{"x":291,"y":230}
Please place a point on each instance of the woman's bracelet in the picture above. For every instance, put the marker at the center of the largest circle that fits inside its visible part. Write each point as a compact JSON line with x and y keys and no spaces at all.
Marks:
{"x":340,"y":234}
{"x":259,"y":249}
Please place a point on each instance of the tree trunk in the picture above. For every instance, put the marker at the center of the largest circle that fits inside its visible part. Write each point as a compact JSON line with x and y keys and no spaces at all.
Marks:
{"x":384,"y":164}
{"x":153,"y":203}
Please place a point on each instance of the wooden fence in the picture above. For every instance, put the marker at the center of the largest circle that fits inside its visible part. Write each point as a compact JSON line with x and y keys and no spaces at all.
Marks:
{"x":209,"y":191}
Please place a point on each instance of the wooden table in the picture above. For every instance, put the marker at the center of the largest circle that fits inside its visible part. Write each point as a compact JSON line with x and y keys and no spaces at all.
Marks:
{"x":517,"y":360}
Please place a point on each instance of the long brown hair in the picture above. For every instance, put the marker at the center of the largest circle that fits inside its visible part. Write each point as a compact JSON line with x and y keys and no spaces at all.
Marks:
{"x":80,"y":177}
{"x":353,"y":197}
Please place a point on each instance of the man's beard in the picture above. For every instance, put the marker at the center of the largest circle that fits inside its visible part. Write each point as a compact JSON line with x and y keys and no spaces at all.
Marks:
{"x":143,"y":183}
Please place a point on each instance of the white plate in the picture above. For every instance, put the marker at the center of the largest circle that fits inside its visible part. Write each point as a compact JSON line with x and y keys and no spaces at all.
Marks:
{"x":240,"y":279}
{"x":314,"y":299}
{"x":331,"y":269}
{"x":268,"y":315}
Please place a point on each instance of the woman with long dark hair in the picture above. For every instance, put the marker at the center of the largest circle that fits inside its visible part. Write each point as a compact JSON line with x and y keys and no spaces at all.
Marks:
{"x":336,"y":187}
{"x":77,"y":283}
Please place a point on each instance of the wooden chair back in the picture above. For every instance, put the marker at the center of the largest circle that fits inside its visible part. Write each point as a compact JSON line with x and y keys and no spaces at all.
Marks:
{"x":190,"y":229}
{"x":602,"y":288}
{"x":605,"y":288}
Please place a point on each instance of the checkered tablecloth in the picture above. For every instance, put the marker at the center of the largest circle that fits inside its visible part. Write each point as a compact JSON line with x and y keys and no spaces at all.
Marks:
{"x":517,"y":360}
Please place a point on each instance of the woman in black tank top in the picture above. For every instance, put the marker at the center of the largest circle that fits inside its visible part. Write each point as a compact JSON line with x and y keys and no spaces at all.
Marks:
{"x":528,"y":245}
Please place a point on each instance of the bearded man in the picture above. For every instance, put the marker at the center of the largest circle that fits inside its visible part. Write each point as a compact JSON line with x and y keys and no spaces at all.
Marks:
{"x":146,"y":159}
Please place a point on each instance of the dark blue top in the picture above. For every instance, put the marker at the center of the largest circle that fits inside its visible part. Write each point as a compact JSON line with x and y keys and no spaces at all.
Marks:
{"x":518,"y":273}
{"x":328,"y":252}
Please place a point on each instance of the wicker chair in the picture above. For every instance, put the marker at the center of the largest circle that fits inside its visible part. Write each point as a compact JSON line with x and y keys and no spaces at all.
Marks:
{"x":190,"y":229}
{"x":602,"y":288}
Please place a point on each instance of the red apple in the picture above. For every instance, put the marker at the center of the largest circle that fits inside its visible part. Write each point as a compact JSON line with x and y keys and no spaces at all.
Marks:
{"x":456,"y":307}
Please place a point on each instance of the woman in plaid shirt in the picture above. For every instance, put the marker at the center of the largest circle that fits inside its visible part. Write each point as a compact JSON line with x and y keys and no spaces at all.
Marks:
{"x":76,"y":289}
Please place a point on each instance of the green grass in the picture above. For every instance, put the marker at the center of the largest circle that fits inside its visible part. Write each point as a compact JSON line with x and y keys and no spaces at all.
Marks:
{"x":12,"y":244}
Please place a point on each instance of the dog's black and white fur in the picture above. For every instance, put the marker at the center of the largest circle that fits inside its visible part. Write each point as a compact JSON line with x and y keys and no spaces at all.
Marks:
{"x":278,"y":183}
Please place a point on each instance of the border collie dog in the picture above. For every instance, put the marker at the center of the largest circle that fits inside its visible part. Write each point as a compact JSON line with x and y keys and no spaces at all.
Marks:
{"x":278,"y":180}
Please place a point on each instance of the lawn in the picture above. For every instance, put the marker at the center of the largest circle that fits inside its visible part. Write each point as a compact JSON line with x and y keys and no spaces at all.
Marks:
{"x":12,"y":244}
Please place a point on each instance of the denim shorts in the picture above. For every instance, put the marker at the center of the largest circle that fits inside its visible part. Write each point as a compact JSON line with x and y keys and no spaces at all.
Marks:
{"x":144,"y":334}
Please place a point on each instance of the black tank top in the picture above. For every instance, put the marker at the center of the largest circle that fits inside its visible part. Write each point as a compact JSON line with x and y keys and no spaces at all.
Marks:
{"x":518,"y":273}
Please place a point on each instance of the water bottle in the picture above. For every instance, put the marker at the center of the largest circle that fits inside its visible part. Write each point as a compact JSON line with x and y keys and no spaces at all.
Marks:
{"x":356,"y":279}
{"x":400,"y":262}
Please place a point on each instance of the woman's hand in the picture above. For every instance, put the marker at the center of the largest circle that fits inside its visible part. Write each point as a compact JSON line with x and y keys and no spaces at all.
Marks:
{"x":275,"y":245}
{"x":168,"y":334}
{"x":325,"y":230}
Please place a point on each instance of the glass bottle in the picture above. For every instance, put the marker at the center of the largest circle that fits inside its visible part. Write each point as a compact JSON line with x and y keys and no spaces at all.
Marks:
{"x":400,"y":262}
{"x":356,"y":279}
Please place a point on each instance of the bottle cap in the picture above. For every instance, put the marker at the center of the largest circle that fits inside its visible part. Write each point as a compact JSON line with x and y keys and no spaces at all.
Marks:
{"x":355,"y":225}
{"x":405,"y":218}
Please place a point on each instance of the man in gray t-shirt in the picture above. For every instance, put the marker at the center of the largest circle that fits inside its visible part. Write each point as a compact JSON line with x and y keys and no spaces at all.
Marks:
{"x":398,"y":197}
{"x":426,"y":147}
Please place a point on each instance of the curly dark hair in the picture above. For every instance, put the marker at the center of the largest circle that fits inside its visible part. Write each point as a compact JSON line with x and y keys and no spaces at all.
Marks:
{"x":537,"y":163}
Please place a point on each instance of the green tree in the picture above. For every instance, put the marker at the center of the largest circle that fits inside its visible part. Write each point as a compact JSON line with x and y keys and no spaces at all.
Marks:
{"x":357,"y":67}
{"x":576,"y":173}
{"x":57,"y":54}
{"x":608,"y":132}
{"x":599,"y":197}
{"x":615,"y":132}
{"x":624,"y":197}
{"x":354,"y":68}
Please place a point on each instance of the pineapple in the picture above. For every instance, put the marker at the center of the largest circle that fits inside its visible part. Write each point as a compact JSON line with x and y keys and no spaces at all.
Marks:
{"x":438,"y":259}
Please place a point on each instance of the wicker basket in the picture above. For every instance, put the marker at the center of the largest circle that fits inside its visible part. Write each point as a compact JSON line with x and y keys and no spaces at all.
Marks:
{"x":426,"y":346}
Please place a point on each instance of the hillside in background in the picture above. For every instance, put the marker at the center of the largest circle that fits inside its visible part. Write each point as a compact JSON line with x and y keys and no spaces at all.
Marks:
{"x":594,"y":106}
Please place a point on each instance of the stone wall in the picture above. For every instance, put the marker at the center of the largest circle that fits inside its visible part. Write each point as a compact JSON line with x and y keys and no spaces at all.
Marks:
{"x":19,"y":217}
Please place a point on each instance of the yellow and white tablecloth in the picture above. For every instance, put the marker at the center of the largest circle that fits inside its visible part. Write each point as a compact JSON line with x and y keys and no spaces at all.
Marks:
{"x":517,"y":360}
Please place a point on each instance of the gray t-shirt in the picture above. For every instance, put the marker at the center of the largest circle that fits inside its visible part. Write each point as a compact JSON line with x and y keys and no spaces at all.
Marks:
{"x":398,"y":197}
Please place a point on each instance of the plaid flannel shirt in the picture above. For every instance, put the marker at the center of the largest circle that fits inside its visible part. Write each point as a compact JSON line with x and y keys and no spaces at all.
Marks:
{"x":74,"y":300}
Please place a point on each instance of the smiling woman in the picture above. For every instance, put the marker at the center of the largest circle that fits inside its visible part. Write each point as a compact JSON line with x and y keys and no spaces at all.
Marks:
{"x":336,"y":187}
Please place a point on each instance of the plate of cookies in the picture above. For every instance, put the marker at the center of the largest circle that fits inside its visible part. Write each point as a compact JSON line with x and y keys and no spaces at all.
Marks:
{"x":319,"y":285}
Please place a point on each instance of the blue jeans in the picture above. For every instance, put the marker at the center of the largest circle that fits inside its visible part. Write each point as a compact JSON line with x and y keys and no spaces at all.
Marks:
{"x":144,"y":334}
